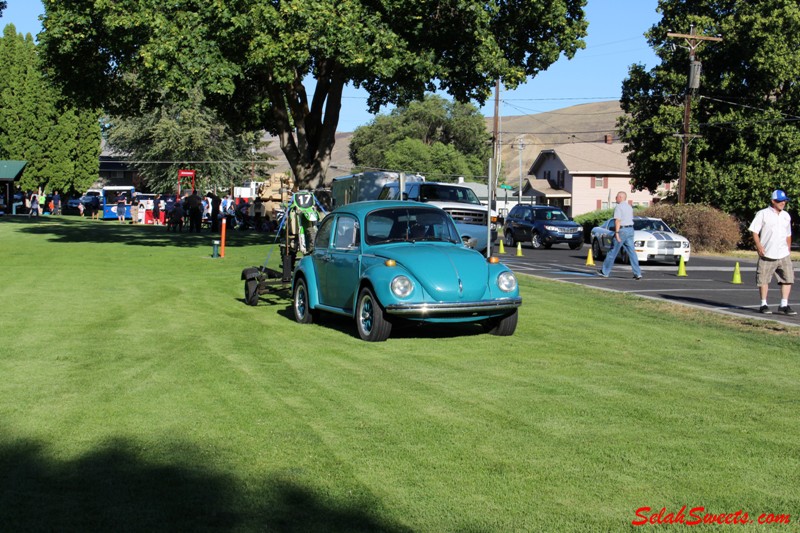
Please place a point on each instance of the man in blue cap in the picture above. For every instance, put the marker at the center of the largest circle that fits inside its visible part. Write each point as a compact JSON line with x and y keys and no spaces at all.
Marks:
{"x":772,"y":233}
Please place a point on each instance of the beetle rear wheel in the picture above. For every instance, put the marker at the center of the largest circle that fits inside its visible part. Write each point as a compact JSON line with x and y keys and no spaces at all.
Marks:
{"x":371,"y":324}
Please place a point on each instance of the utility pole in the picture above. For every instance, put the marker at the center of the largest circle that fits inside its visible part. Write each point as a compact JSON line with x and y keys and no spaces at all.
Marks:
{"x":694,"y":41}
{"x":520,"y":146}
{"x":494,"y":166}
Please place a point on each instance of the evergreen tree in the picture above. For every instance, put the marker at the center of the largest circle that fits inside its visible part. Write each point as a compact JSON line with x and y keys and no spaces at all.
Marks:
{"x":182,"y":135}
{"x":37,"y":126}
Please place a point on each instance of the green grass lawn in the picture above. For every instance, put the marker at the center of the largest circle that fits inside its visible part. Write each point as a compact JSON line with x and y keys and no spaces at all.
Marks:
{"x":139,"y":393}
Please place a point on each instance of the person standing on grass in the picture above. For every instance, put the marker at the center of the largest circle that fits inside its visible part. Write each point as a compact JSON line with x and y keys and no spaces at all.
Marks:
{"x":34,"y":203}
{"x":121,"y":208}
{"x":56,"y":204}
{"x":95,"y":207}
{"x":772,"y":233}
{"x":623,"y":238}
{"x":215,"y":212}
{"x":157,"y":210}
{"x":194,"y":207}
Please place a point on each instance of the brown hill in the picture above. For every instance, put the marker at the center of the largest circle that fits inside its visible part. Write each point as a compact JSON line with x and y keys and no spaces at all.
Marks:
{"x":580,"y":123}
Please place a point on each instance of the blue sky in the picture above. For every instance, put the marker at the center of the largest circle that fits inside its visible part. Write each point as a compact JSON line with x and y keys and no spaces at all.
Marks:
{"x":615,"y":42}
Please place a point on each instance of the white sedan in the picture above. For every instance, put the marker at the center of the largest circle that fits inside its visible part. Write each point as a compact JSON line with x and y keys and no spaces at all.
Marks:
{"x":653,"y":240}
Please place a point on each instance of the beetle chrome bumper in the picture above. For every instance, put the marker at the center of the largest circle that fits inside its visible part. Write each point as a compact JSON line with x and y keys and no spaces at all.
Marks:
{"x":454,"y":308}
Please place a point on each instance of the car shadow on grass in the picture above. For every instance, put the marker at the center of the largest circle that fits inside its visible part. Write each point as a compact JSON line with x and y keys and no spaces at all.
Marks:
{"x":113,"y":488}
{"x":65,"y":229}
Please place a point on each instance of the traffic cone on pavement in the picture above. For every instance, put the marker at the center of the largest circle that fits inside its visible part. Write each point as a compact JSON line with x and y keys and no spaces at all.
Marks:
{"x":681,"y":268}
{"x":519,"y":249}
{"x":502,"y":249}
{"x":589,"y":259}
{"x":737,"y":276}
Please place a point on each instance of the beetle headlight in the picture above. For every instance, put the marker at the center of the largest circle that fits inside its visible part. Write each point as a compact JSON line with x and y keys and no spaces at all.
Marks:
{"x":506,"y":281}
{"x":402,"y":286}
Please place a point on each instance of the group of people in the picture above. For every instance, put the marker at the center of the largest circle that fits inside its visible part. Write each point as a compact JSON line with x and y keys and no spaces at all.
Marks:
{"x":772,"y":234}
{"x":39,"y":203}
{"x":245,"y":214}
{"x":191,"y":209}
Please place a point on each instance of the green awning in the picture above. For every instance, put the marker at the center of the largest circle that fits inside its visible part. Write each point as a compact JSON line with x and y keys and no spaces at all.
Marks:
{"x":11,"y":170}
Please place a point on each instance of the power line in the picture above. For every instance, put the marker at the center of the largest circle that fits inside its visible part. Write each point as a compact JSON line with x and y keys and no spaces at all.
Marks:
{"x":747,"y":106}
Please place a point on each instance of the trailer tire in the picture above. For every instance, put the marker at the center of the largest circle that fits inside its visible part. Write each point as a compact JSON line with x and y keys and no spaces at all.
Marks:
{"x":251,"y":292}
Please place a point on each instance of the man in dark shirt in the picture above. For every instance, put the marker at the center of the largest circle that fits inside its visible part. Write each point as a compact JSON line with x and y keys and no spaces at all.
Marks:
{"x":194,"y":206}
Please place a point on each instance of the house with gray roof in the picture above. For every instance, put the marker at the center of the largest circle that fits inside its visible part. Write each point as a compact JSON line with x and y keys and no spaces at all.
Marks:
{"x":584,"y":177}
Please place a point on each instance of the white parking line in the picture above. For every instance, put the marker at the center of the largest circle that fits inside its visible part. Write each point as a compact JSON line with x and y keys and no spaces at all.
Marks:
{"x":699,"y":269}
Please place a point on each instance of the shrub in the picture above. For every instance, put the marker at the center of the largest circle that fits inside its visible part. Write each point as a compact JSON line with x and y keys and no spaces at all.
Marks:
{"x":707,"y":228}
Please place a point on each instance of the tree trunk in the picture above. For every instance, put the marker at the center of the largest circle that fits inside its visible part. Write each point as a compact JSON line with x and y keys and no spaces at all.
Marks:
{"x":309,"y":144}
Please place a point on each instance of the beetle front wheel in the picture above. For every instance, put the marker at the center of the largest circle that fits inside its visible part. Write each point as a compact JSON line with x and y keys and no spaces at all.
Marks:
{"x":370,"y":322}
{"x":503,"y":327}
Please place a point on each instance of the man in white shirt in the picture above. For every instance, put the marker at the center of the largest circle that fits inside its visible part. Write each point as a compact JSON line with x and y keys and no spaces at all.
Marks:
{"x":623,"y":238}
{"x":772,"y":233}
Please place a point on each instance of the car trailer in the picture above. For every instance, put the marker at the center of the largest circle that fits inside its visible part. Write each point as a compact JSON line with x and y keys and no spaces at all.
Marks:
{"x":298,"y":228}
{"x":264,"y":280}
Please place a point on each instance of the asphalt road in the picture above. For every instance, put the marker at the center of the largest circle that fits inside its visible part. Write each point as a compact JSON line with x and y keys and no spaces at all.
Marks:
{"x":708,"y":283}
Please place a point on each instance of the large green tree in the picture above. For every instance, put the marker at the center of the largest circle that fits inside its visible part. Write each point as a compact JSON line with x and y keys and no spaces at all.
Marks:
{"x":436,"y":137}
{"x":187,"y":134}
{"x":60,"y":143}
{"x":745,"y":111}
{"x":254,"y":58}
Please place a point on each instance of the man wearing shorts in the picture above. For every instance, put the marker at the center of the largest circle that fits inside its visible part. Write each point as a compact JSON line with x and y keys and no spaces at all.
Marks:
{"x":772,"y":233}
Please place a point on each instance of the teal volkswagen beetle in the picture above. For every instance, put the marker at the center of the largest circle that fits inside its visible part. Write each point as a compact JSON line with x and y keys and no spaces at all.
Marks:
{"x":384,"y":261}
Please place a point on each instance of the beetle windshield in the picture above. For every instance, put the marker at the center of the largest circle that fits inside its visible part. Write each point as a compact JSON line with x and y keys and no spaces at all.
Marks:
{"x":413,"y":224}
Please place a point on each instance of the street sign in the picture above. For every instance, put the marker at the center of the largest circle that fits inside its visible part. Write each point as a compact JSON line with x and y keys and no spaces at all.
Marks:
{"x":506,"y":187}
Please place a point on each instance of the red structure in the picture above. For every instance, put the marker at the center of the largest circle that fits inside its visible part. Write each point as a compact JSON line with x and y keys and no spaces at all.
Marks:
{"x":185,"y":178}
